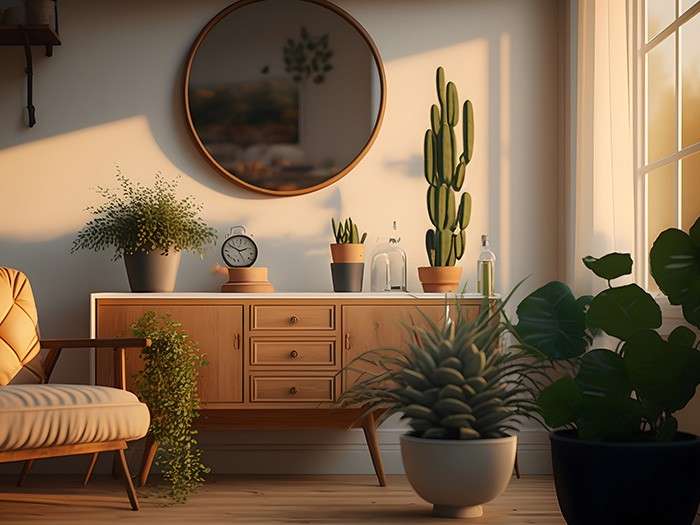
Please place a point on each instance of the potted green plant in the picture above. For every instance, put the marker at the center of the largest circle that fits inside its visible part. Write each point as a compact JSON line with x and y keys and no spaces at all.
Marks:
{"x":348,"y":254}
{"x":462,"y":394}
{"x":617,"y":453}
{"x":148,"y":226}
{"x":445,"y":172}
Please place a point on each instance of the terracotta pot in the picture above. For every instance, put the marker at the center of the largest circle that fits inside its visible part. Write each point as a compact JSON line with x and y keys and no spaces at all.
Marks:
{"x":348,"y":253}
{"x":441,"y":279}
{"x":458,"y":476}
{"x":152,"y":271}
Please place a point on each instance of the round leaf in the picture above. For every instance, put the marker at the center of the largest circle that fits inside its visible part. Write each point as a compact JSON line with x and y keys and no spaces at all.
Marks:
{"x":675,"y":264}
{"x":610,"y":266}
{"x":623,"y":311}
{"x":560,"y":402}
{"x":551,"y":320}
{"x":602,"y":373}
{"x":682,"y":336}
{"x":662,"y":373}
{"x":609,"y":419}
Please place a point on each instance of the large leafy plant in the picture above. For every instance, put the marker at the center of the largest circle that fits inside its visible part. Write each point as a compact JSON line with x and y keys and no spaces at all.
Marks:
{"x":168,"y":385}
{"x":453,"y":381}
{"x":136,"y":218}
{"x":630,"y":389}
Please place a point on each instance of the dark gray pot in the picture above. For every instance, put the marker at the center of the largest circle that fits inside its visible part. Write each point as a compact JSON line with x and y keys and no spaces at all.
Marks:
{"x":151,"y":271}
{"x":347,"y":277}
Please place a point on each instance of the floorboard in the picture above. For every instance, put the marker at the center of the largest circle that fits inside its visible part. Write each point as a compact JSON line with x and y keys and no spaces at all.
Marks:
{"x":262,"y":500}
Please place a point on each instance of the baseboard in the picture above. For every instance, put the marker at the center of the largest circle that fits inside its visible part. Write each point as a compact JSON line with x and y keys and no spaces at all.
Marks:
{"x":298,"y":452}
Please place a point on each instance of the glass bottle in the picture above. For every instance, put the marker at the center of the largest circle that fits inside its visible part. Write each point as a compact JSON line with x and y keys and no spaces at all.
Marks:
{"x":388,"y":271}
{"x":485,"y":267}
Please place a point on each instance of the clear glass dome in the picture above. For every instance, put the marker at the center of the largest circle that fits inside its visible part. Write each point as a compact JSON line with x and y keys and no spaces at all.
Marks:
{"x":388,"y":270}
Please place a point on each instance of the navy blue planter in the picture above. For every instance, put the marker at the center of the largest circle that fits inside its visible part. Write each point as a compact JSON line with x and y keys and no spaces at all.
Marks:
{"x":626,"y":483}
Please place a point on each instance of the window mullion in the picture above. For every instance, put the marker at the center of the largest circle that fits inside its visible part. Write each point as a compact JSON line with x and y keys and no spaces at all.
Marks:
{"x":679,"y":122}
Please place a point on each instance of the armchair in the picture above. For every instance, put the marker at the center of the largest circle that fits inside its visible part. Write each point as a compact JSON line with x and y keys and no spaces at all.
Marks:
{"x":40,"y":420}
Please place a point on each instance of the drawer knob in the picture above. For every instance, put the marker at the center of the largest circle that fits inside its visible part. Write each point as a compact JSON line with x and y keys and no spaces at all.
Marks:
{"x":293,"y":354}
{"x":293,"y":320}
{"x":293,"y":390}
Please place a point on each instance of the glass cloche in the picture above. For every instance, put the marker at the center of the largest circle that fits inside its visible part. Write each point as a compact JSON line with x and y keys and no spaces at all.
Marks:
{"x":388,"y":270}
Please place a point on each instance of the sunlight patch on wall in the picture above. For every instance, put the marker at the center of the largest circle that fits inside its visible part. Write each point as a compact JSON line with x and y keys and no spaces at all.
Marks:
{"x":56,"y":179}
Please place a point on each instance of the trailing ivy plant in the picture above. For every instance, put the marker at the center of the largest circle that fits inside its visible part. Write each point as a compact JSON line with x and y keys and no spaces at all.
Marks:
{"x":138,"y":218}
{"x":630,"y":391}
{"x":168,"y":385}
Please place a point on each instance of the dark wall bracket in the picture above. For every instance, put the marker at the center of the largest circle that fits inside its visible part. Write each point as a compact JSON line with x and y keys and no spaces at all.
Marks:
{"x":28,"y":36}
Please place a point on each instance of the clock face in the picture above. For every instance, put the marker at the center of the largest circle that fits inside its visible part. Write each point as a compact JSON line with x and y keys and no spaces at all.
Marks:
{"x":239,"y":251}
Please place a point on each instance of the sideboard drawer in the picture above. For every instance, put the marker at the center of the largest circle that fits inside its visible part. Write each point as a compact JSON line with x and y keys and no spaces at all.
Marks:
{"x":269,"y":389}
{"x":293,"y":317}
{"x":292,"y":352}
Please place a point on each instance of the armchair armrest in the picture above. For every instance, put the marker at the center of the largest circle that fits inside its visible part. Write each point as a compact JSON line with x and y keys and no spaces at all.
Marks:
{"x":54,"y":346}
{"x":129,"y":342}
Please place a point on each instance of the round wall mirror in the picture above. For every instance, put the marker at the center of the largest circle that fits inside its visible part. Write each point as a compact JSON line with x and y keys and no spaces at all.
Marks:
{"x":284,"y":96}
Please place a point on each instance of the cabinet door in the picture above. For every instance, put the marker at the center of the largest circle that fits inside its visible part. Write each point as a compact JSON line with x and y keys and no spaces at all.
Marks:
{"x":217,"y":330}
{"x":383,"y":326}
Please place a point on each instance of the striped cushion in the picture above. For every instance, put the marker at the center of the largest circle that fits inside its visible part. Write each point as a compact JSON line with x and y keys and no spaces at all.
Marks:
{"x":19,"y":330}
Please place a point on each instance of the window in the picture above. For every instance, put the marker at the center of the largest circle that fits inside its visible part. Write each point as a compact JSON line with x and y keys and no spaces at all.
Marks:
{"x":667,"y":124}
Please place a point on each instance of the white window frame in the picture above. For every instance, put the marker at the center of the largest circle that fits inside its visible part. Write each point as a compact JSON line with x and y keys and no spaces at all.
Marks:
{"x":641,"y":49}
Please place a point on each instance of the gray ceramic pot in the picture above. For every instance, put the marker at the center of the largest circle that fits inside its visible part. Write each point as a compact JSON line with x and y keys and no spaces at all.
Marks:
{"x":152,"y":271}
{"x":347,"y":277}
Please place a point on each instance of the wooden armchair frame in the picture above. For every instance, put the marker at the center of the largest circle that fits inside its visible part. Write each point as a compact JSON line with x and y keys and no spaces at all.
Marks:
{"x":54,"y":347}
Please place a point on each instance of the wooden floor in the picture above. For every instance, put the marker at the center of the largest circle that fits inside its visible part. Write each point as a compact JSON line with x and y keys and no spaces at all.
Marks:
{"x":258,"y":500}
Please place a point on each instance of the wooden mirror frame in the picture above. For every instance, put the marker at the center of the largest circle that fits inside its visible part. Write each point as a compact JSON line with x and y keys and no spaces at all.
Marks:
{"x":284,"y":193}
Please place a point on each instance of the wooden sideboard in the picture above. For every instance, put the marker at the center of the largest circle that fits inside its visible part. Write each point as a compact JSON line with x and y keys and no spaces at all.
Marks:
{"x":275,"y":361}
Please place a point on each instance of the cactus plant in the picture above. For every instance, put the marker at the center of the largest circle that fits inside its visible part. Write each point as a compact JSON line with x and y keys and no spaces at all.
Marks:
{"x":346,"y":232}
{"x":454,"y":381}
{"x":445,"y":172}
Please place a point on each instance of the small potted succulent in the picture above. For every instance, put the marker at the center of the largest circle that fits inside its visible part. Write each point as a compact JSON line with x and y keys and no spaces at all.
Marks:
{"x":148,"y":227}
{"x":348,"y":254}
{"x":445,"y":172}
{"x":617,"y":453}
{"x":462,"y":395}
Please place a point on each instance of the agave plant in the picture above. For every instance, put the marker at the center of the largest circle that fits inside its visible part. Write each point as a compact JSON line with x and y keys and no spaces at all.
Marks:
{"x":453,"y":381}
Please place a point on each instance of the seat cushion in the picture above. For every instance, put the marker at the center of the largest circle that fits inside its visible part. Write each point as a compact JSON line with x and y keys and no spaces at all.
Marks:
{"x":37,"y":416}
{"x":19,"y":332}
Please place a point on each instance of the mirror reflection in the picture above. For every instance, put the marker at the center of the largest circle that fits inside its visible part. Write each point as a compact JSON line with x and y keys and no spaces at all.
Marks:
{"x":284,"y":95}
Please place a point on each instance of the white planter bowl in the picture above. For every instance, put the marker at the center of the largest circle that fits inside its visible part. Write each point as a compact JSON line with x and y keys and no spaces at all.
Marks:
{"x":458,"y":477}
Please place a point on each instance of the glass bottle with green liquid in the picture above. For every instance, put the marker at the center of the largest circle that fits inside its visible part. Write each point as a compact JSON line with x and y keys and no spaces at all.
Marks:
{"x":485,"y":267}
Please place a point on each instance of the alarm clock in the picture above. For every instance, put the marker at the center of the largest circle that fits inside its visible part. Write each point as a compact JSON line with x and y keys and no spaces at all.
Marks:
{"x":239,"y":250}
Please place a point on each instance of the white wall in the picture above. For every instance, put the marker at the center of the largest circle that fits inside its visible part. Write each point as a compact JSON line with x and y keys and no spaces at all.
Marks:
{"x":112,"y":94}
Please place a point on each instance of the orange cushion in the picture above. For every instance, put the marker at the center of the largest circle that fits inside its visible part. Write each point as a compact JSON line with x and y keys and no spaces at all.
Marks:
{"x":19,"y":331}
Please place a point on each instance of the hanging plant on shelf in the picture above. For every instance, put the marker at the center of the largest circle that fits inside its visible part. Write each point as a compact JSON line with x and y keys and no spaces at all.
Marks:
{"x":308,"y":57}
{"x":168,"y":385}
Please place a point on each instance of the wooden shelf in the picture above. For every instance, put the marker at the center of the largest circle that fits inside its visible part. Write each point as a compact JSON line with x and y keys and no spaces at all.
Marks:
{"x":41,"y":35}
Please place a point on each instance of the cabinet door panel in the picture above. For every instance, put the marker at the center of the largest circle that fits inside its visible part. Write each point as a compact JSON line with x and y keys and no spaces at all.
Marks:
{"x":216,"y":329}
{"x":384,"y":326}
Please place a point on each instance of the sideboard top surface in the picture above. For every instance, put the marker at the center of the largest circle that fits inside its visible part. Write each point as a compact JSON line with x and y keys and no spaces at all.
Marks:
{"x":285,"y":295}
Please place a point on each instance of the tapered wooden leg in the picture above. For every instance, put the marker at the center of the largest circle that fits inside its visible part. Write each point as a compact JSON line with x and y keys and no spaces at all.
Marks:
{"x":26,"y":468}
{"x":130,"y":490}
{"x":91,"y":468}
{"x":517,"y":468}
{"x":149,"y":454}
{"x":370,"y":428}
{"x":115,"y":466}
